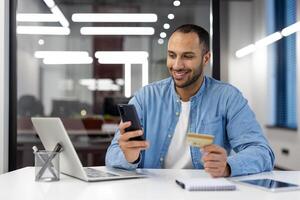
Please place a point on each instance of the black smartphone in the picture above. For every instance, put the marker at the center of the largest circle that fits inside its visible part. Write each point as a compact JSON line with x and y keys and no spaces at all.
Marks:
{"x":128,"y":113}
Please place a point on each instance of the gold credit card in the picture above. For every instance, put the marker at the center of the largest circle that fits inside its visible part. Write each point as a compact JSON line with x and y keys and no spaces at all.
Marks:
{"x":199,"y":140}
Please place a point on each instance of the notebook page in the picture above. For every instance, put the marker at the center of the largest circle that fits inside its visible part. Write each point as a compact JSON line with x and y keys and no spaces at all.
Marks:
{"x":206,"y":184}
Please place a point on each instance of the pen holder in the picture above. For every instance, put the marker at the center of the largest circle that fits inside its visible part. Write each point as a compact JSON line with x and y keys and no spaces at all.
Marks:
{"x":46,"y":166}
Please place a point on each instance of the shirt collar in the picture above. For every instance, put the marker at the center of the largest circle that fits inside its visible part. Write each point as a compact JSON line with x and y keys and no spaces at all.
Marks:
{"x":198,"y":93}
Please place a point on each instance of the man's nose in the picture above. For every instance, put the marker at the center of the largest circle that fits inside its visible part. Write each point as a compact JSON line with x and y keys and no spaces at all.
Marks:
{"x":178,"y":64}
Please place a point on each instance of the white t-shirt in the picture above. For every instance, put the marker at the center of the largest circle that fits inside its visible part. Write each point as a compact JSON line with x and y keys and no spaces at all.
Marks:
{"x":178,"y":155}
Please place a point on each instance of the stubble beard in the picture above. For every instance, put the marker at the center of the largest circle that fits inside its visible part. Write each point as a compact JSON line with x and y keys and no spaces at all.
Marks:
{"x":191,"y":81}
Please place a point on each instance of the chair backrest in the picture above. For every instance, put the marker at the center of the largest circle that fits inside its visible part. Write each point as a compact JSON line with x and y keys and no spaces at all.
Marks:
{"x":29,"y":106}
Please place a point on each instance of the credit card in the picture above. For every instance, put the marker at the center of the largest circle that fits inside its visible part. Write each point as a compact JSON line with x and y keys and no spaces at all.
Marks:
{"x":199,"y":140}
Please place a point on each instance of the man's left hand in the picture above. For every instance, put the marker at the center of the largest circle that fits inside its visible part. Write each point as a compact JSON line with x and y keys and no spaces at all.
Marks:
{"x":214,"y":160}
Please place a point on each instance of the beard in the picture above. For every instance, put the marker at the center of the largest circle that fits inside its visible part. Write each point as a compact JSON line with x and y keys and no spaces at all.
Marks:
{"x":191,"y":80}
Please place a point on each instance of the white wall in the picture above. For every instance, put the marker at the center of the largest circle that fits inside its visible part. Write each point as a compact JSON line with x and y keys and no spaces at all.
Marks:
{"x":240,"y":33}
{"x":246,"y":24}
{"x":4,"y":28}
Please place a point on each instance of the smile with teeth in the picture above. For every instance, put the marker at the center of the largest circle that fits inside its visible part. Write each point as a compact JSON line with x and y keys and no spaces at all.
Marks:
{"x":178,"y":75}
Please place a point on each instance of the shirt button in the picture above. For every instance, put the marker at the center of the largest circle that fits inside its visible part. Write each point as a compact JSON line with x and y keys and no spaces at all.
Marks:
{"x":177,"y":101}
{"x":177,"y":113}
{"x":169,"y":136}
{"x":161,"y":159}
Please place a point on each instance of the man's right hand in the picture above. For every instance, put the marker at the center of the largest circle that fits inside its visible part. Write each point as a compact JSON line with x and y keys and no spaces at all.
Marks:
{"x":131,"y":148}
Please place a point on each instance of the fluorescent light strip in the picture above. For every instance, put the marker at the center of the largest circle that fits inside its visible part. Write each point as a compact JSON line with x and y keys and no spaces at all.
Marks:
{"x":117,"y":31}
{"x":120,"y":81}
{"x":123,"y":54}
{"x":49,"y":3}
{"x":62,"y":19}
{"x":104,"y":88}
{"x":45,"y":54}
{"x":108,"y":60}
{"x":56,"y":16}
{"x":115,"y":57}
{"x":114,"y":17}
{"x":268,"y":40}
{"x":291,"y":29}
{"x":259,"y":44}
{"x":145,"y":73}
{"x":87,"y":82}
{"x":64,"y":57}
{"x":245,"y":51}
{"x":67,"y":60}
{"x":33,"y":17}
{"x":100,"y":84}
{"x":127,"y":76}
{"x":43,"y":30}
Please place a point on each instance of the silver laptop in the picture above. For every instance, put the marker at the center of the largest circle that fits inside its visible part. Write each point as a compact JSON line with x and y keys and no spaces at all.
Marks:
{"x":52,"y":131}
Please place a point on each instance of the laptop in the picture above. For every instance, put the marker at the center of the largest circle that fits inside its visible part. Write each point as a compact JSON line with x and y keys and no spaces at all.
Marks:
{"x":52,"y":131}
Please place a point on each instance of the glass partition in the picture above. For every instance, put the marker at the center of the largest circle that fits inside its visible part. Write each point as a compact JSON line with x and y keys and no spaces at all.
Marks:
{"x":78,"y":59}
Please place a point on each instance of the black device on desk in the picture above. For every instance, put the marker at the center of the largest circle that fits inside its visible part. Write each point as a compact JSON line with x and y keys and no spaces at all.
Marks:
{"x":128,"y":113}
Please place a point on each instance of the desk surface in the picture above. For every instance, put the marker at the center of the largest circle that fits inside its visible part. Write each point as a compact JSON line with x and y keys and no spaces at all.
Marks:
{"x":20,"y":184}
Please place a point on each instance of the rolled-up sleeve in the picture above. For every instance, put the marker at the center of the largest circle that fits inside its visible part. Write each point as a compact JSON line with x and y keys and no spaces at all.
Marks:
{"x":252,"y":153}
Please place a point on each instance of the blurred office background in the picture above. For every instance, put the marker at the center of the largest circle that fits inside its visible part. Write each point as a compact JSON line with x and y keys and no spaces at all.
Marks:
{"x":81,"y":76}
{"x":71,"y":62}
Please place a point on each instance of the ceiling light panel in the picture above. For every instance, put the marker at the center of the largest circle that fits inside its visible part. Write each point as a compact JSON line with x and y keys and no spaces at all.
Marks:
{"x":34,"y":17}
{"x":60,"y":16}
{"x":43,"y":30}
{"x":44,"y":54}
{"x":117,"y":31}
{"x":291,"y":29}
{"x":114,"y":17}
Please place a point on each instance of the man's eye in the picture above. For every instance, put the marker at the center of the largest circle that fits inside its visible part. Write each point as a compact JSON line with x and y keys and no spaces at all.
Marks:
{"x":172,"y":56}
{"x":188,"y":56}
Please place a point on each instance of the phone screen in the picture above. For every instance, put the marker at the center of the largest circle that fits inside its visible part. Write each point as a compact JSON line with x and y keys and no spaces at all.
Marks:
{"x":128,"y":113}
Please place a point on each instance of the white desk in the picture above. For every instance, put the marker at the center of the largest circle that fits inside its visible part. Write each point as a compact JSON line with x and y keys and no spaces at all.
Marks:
{"x":20,"y":185}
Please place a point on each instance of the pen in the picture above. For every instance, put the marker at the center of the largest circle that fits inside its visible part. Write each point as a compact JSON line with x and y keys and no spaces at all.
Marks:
{"x":56,"y":149}
{"x":180,"y":184}
{"x":35,"y":151}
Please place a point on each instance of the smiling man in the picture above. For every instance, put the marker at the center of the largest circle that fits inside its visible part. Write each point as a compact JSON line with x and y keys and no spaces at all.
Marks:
{"x":186,"y":102}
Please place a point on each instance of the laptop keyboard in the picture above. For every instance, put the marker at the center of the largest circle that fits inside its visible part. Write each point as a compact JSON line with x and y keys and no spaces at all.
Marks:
{"x":93,"y":173}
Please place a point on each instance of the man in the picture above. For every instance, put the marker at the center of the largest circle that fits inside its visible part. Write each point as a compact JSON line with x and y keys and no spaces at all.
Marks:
{"x":186,"y":102}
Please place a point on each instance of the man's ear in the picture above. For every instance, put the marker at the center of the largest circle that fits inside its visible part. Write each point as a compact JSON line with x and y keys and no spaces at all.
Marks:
{"x":206,"y":58}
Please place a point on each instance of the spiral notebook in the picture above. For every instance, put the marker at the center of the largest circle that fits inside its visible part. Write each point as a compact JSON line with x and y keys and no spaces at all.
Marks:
{"x":205,"y":184}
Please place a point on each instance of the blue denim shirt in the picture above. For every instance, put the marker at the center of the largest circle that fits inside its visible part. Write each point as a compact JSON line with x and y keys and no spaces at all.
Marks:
{"x":217,"y":108}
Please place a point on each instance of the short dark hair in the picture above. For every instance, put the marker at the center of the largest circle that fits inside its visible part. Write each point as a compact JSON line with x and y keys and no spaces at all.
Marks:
{"x":203,"y":35}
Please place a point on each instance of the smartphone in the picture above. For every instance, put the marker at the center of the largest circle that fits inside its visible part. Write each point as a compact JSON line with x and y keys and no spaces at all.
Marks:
{"x":128,"y":113}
